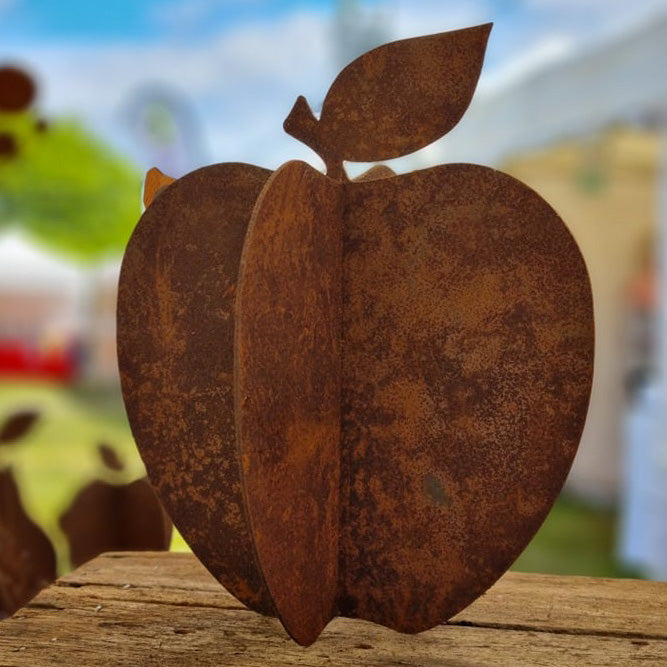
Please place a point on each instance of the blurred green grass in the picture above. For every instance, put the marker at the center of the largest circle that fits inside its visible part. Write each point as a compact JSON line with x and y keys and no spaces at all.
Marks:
{"x":60,"y":456}
{"x":575,"y":539}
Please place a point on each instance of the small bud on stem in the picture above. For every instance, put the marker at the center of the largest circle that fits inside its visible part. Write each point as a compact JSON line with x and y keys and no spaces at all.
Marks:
{"x":302,"y":125}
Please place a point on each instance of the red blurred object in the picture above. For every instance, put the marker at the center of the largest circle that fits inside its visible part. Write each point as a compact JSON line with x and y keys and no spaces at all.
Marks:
{"x":643,"y":290}
{"x":20,"y":360}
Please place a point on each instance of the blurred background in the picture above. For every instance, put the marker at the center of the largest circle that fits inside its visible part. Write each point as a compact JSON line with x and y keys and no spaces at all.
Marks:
{"x":572,"y":100}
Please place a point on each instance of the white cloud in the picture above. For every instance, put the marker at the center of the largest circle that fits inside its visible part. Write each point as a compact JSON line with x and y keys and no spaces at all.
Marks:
{"x":605,"y":5}
{"x":548,"y":49}
{"x":181,"y":15}
{"x":432,"y":16}
{"x":600,"y":15}
{"x":243,"y":83}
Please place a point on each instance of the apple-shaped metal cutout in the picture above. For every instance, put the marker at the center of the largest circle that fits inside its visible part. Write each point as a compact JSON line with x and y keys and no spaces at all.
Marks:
{"x":27,"y":558}
{"x":358,"y":398}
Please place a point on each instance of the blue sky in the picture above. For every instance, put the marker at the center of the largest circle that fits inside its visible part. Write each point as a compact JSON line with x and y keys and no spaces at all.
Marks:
{"x":25,"y":21}
{"x":235,"y":68}
{"x":135,"y":20}
{"x":152,"y":20}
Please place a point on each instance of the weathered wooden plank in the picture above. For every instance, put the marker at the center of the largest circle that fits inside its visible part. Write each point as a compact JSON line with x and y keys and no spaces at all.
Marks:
{"x":586,"y":605}
{"x":583,"y":605}
{"x":150,"y":568}
{"x":125,"y":633}
{"x":165,"y":609}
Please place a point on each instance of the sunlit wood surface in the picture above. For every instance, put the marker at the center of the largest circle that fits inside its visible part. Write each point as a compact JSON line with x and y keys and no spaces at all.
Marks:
{"x":165,"y":609}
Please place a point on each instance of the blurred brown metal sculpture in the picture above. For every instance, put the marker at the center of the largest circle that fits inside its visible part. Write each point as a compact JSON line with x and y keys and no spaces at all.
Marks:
{"x":17,"y":89}
{"x":17,"y":425}
{"x":103,"y":516}
{"x":115,"y":517}
{"x":27,"y":559}
{"x":358,"y":398}
{"x":17,"y":93}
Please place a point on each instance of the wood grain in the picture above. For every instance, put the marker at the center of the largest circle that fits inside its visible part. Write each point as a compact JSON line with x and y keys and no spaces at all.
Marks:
{"x":165,"y":609}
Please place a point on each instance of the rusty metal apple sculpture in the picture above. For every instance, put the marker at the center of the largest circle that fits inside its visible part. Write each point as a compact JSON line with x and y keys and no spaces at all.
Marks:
{"x":358,"y":398}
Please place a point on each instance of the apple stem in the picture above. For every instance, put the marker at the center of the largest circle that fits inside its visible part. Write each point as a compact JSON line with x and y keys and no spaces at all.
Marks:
{"x":302,"y":125}
{"x":335,"y":169}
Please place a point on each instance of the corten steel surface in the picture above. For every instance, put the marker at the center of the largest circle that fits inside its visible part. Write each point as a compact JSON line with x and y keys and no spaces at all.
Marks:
{"x":394,"y":99}
{"x":288,"y":361}
{"x":176,"y":318}
{"x":358,"y":398}
{"x":154,"y":183}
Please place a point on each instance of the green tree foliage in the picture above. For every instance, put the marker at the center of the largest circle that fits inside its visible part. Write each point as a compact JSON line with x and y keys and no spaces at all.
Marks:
{"x":66,"y":188}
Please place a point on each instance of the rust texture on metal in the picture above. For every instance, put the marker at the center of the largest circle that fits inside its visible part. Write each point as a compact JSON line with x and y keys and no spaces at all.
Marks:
{"x":467,"y":346}
{"x":394,"y":99}
{"x":176,"y":319}
{"x":154,"y":183}
{"x":358,"y":398}
{"x":288,"y":391}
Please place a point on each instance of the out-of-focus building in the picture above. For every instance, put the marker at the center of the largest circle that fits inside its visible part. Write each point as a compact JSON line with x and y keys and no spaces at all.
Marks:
{"x":100,"y":309}
{"x":574,"y":96}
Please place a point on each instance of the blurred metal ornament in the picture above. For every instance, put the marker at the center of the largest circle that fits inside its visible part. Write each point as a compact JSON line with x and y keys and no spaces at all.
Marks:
{"x":27,"y":559}
{"x":358,"y":398}
{"x":154,"y":183}
{"x":8,"y":146}
{"x":17,"y":426}
{"x":110,"y":457}
{"x":17,"y":89}
{"x":115,"y":517}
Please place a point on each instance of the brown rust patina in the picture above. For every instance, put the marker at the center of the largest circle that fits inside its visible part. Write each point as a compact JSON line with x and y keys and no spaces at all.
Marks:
{"x":358,"y":398}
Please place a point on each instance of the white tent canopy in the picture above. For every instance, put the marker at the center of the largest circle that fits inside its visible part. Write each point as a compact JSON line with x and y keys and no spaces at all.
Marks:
{"x":26,"y":266}
{"x":622,"y":78}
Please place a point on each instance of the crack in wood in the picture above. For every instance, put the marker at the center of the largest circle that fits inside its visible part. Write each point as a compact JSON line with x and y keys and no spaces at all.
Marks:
{"x":583,"y":632}
{"x":504,"y":627}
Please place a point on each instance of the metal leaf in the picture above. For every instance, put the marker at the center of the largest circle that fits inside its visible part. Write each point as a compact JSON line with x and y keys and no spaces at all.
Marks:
{"x":394,"y":99}
{"x":110,"y":457}
{"x":17,"y":426}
